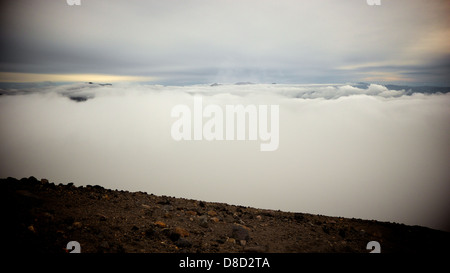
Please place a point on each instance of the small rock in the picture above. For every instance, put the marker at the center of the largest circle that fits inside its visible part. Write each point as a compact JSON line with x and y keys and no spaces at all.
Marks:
{"x":203,"y":221}
{"x":44,"y":181}
{"x":176,"y":233}
{"x":190,"y":212}
{"x":215,"y":219}
{"x":146,"y":206}
{"x":167,"y":208}
{"x":242,"y":242}
{"x":298,"y":217}
{"x":231,"y":240}
{"x":182,"y":242}
{"x":241,"y":225}
{"x":31,"y":228}
{"x":258,"y":217}
{"x":212,"y":213}
{"x":181,"y":232}
{"x":77,"y":224}
{"x":160,"y":224}
{"x":32,"y":179}
{"x":240,"y":233}
{"x":164,"y":201}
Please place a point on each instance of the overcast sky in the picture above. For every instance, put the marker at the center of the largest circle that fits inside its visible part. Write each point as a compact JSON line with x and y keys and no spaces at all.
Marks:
{"x":185,"y":42}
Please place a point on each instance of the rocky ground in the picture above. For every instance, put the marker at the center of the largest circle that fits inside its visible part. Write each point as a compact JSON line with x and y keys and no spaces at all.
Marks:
{"x":43,"y":217}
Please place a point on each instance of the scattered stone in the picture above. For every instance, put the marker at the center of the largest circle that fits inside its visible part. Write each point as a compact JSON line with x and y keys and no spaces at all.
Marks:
{"x":242,"y":225}
{"x":32,"y":229}
{"x":181,"y":232}
{"x":203,"y":221}
{"x":32,"y":179}
{"x":240,"y":233}
{"x":164,"y":201}
{"x":182,"y":242}
{"x":64,"y":213}
{"x":212,"y":213}
{"x":160,"y":224}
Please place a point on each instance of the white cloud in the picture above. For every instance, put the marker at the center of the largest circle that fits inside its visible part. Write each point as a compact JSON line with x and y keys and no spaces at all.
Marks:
{"x":345,"y":151}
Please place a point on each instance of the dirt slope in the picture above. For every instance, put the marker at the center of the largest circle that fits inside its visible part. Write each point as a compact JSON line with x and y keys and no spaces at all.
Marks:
{"x":44,"y":217}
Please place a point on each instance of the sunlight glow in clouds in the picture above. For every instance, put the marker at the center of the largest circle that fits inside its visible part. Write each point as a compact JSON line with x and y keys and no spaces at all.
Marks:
{"x":369,"y":153}
{"x":36,"y":77}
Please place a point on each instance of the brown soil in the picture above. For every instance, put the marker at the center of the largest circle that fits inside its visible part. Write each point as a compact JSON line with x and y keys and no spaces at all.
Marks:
{"x":43,"y":217}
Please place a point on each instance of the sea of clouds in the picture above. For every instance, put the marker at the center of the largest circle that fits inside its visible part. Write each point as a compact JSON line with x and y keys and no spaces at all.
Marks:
{"x":364,"y":152}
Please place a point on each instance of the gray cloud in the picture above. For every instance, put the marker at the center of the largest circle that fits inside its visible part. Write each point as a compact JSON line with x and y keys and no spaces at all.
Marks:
{"x":368,"y":153}
{"x":204,"y":41}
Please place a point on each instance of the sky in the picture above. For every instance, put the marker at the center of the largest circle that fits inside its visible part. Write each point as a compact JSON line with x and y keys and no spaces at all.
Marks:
{"x":198,"y":41}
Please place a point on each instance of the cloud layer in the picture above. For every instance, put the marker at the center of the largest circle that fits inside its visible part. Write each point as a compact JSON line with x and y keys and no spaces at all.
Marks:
{"x":368,"y":153}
